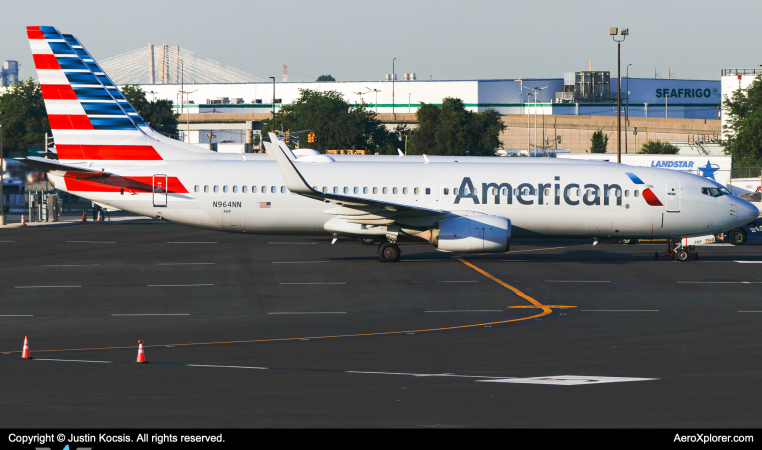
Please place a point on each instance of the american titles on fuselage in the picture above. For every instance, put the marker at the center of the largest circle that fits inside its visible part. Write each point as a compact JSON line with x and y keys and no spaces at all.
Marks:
{"x":525,"y":191}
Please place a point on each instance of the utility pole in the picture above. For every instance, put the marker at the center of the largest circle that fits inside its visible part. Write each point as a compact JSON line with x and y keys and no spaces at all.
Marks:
{"x":273,"y":78}
{"x":393,"y":77}
{"x":627,"y":110}
{"x":613,"y":32}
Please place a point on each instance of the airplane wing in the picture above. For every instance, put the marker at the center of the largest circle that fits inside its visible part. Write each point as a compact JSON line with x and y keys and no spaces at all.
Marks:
{"x":353,"y":209}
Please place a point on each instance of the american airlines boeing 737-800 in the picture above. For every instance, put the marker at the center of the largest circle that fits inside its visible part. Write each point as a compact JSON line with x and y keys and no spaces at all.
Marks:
{"x":108,"y":154}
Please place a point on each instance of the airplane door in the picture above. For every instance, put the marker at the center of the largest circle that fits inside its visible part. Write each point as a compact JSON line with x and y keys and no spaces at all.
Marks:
{"x":160,"y":190}
{"x":428,"y":193}
{"x":673,"y":195}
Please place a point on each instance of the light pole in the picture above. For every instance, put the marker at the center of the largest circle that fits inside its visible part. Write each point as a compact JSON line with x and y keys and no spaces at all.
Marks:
{"x":613,"y":32}
{"x":535,"y":90}
{"x":528,"y":94}
{"x":376,"y":91}
{"x":2,"y":165}
{"x":393,"y":77}
{"x":627,"y":110}
{"x":273,"y":78}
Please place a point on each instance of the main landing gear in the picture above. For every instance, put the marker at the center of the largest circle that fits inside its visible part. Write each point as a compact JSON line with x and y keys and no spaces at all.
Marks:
{"x":389,"y":252}
{"x":675,"y":249}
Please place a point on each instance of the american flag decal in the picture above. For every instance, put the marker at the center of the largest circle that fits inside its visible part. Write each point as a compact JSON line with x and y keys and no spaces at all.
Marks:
{"x":264,"y":204}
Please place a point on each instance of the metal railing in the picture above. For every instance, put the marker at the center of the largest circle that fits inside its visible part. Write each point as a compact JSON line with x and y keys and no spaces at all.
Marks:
{"x":726,"y":72}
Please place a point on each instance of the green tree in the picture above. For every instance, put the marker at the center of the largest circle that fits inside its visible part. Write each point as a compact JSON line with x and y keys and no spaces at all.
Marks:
{"x":336,"y":123}
{"x":25,"y":120}
{"x":325,"y":78}
{"x":599,"y":142}
{"x":659,"y":148}
{"x":743,"y":128}
{"x":452,"y":130}
{"x":158,"y":114}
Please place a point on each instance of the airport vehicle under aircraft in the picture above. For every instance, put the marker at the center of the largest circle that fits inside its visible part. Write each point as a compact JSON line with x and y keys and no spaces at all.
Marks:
{"x":108,"y":154}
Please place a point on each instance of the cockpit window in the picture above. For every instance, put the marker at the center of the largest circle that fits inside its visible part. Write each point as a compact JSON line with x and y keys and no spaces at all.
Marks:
{"x":715,"y":192}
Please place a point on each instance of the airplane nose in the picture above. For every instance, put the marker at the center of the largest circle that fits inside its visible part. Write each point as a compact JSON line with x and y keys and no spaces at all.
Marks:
{"x":747,"y":211}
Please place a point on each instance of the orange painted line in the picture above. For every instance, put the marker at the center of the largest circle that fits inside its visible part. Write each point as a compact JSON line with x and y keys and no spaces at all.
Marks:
{"x":546,"y":309}
{"x":506,"y":285}
{"x":549,"y":306}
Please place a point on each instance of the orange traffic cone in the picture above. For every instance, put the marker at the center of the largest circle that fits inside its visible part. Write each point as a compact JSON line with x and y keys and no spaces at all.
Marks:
{"x":84,"y":217}
{"x":141,"y":353}
{"x":25,"y":352}
{"x":100,"y":219}
{"x":23,"y":222}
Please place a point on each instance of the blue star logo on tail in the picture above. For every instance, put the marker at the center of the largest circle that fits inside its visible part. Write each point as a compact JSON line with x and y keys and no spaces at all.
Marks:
{"x":708,"y":171}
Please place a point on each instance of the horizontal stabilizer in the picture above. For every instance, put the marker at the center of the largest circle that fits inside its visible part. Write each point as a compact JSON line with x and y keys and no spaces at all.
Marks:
{"x":52,"y":164}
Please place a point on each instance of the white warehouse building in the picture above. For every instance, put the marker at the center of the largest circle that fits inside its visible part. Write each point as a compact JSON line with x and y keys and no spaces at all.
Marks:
{"x":648,"y":97}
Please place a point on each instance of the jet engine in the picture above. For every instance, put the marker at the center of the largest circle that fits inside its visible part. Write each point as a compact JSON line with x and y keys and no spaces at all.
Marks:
{"x":473,"y":234}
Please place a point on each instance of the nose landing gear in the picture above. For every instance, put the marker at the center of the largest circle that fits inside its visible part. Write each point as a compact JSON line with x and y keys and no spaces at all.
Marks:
{"x":676,"y":249}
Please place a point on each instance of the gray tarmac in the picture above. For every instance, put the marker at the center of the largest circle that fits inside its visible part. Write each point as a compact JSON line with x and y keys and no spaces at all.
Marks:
{"x":282,"y":331}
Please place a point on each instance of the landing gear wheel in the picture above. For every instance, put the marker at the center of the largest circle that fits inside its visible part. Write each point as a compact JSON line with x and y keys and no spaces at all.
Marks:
{"x":681,"y":255}
{"x":367,"y":241}
{"x":389,"y":252}
{"x":737,"y":237}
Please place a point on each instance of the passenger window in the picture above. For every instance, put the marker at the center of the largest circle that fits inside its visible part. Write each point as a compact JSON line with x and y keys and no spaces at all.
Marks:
{"x":515,"y":192}
{"x":215,"y":189}
{"x":578,"y":192}
{"x":454,"y":191}
{"x":504,"y":191}
{"x":364,"y":190}
{"x":356,"y":190}
{"x":446,"y":191}
{"x":384,"y":190}
{"x":253,"y":189}
{"x":325,"y":189}
{"x":243,"y":189}
{"x":404,"y":191}
{"x":206,"y":188}
{"x":394,"y":191}
{"x":235,"y":189}
{"x":224,"y":189}
{"x":335,"y":190}
{"x":264,"y":190}
{"x":494,"y":191}
{"x":346,"y":190}
{"x":283,"y":189}
{"x":627,"y":193}
{"x":636,"y":193}
{"x":415,"y":191}
{"x":547,"y":192}
{"x":195,"y":189}
{"x":375,"y":190}
{"x":273,"y":189}
{"x":428,"y":191}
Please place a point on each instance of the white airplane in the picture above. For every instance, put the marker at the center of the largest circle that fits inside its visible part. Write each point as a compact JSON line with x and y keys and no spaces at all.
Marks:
{"x":108,"y":154}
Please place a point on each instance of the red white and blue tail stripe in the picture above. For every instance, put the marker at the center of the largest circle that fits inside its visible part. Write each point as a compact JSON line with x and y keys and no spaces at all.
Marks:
{"x":89,"y":116}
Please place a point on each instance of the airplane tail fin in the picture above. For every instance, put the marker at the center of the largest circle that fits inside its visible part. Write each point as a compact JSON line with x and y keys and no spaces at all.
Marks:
{"x":89,"y":116}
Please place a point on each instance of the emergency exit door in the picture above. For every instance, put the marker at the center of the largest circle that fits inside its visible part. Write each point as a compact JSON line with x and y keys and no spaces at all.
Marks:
{"x":673,"y":195}
{"x":160,"y":190}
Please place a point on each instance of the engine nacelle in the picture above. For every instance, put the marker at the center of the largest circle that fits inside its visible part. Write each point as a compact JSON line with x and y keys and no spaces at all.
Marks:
{"x":473,"y":234}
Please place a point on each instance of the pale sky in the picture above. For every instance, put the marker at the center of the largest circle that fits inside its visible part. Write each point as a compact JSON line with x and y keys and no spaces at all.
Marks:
{"x":356,"y":40}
